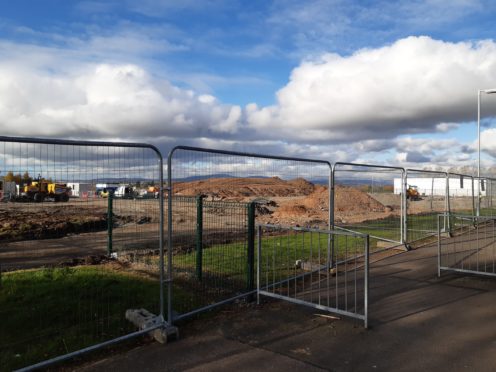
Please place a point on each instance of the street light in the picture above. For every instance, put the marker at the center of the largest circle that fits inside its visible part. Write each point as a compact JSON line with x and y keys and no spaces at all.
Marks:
{"x":486,"y":91}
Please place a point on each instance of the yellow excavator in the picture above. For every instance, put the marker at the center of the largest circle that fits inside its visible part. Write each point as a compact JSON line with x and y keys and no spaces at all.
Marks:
{"x":40,"y":190}
{"x":412,"y":193}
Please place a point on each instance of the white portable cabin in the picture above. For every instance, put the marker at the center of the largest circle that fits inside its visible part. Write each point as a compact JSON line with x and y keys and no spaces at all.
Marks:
{"x":81,"y":189}
{"x":9,"y":189}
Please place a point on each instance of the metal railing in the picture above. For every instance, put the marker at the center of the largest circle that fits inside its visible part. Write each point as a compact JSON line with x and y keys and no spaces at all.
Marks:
{"x":471,"y":248}
{"x":295,"y":264}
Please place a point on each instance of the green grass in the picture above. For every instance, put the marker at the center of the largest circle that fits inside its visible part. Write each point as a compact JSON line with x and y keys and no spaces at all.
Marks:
{"x":231,"y":260}
{"x":49,"y":312}
{"x":386,"y":228}
{"x":487,"y":211}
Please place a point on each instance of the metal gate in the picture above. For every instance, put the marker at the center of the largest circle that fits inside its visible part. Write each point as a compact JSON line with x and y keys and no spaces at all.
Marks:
{"x":295,"y":264}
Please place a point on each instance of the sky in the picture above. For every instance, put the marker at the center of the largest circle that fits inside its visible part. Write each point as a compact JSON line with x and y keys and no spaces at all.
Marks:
{"x":383,"y":82}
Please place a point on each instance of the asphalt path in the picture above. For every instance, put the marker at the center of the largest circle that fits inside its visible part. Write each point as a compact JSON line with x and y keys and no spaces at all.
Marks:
{"x":419,"y":322}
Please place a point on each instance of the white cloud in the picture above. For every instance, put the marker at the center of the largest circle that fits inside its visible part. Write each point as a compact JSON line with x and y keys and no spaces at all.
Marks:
{"x":367,"y":99}
{"x":106,"y":100}
{"x":446,"y":127}
{"x":488,"y":141}
{"x":426,"y":146}
{"x":408,"y":87}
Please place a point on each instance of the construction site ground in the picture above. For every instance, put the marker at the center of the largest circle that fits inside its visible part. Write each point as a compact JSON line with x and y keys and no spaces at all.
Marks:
{"x":418,"y":322}
{"x":37,"y":234}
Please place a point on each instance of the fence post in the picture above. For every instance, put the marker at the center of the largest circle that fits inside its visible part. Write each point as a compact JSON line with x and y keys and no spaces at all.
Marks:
{"x":473,"y":197}
{"x":199,"y":237}
{"x":259,"y":261}
{"x":405,"y":208}
{"x":447,"y":222}
{"x":110,"y":222}
{"x":250,"y":277}
{"x":332,"y":217}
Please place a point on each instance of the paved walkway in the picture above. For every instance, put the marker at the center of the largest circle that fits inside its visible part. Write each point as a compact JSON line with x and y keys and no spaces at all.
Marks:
{"x":418,"y":323}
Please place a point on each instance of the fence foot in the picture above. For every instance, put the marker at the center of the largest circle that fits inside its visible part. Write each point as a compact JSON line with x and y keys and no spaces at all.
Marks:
{"x":143,"y":319}
{"x":165,"y":334}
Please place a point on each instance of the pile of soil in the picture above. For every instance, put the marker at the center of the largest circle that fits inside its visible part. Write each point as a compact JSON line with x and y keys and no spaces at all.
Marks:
{"x":352,"y":200}
{"x":241,"y":188}
{"x":351,"y":206}
{"x":294,"y":202}
{"x":291,"y":210}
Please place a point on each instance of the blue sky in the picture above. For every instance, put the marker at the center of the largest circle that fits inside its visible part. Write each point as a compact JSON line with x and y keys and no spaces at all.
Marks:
{"x":382,"y":81}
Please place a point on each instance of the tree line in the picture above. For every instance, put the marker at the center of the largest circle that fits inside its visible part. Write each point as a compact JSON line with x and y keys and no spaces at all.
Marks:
{"x":24,"y":179}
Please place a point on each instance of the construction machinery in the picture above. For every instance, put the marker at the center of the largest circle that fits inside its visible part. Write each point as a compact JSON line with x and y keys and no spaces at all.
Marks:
{"x":40,"y":190}
{"x":153,"y":191}
{"x":412,"y":193}
{"x":122,"y":191}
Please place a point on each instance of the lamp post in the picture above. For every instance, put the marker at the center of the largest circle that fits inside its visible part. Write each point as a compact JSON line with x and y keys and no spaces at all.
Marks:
{"x":486,"y":91}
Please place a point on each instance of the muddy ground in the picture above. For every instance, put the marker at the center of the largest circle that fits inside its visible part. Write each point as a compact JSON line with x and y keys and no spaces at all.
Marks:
{"x":46,"y":233}
{"x":29,"y":221}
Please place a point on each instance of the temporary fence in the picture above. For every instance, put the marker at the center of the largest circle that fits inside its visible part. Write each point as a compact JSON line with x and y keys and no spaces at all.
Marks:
{"x":233,"y":190}
{"x":461,"y":191}
{"x":486,"y":200}
{"x":82,"y":236}
{"x":369,"y":199}
{"x":427,"y":196}
{"x":295,"y":264}
{"x":80,"y":244}
{"x":211,"y":259}
{"x":471,"y":247}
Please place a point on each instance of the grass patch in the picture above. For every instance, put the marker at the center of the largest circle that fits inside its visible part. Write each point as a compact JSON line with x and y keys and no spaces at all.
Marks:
{"x":231,"y":260}
{"x":50,"y":312}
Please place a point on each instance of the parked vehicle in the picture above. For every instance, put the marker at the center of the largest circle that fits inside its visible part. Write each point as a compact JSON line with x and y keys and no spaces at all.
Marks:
{"x":40,"y":190}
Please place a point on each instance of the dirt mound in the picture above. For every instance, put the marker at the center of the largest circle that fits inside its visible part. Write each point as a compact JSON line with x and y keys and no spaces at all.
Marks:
{"x":318,"y":200}
{"x":239,"y":188}
{"x":352,"y":205}
{"x":349,"y":199}
{"x":296,"y":201}
{"x":291,"y":210}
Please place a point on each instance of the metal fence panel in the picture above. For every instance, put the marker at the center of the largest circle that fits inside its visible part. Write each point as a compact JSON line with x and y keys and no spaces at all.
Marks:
{"x":430,"y":200}
{"x":461,"y":192}
{"x":80,"y":243}
{"x":471,"y":248}
{"x":237,"y":189}
{"x":210,"y":243}
{"x":369,"y":199}
{"x":295,"y":265}
{"x":486,"y":202}
{"x":461,"y":189}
